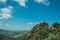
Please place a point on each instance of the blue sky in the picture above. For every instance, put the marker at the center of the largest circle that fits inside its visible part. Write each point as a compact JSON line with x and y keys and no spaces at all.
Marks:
{"x":24,"y":14}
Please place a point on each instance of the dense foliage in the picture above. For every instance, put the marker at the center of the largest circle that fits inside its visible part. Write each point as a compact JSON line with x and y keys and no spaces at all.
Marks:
{"x":43,"y":31}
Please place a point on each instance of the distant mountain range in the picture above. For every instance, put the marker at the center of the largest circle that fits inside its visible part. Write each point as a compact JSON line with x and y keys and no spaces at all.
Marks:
{"x":9,"y":32}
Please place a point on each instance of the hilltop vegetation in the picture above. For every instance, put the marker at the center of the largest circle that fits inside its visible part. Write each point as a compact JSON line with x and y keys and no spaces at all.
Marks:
{"x":41,"y":31}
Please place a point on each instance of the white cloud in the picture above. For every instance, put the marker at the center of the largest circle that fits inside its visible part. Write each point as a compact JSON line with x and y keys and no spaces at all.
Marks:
{"x":30,"y":23}
{"x":3,"y":1}
{"x":45,"y":2}
{"x":5,"y":13}
{"x":21,"y":2}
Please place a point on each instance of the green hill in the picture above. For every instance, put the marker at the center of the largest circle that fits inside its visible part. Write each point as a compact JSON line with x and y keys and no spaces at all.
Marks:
{"x":43,"y":31}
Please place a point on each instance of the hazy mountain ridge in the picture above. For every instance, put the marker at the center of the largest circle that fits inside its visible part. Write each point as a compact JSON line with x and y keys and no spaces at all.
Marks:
{"x":9,"y":35}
